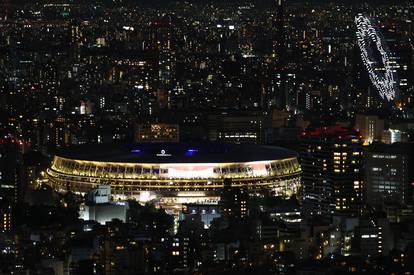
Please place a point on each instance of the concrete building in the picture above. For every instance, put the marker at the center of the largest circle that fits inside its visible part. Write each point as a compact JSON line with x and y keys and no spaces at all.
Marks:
{"x":207,"y":212}
{"x":101,"y":209}
{"x":157,"y":132}
{"x":388,"y":176}
{"x":391,"y":136}
{"x":373,"y":237}
{"x":332,"y":179}
{"x":370,"y":127}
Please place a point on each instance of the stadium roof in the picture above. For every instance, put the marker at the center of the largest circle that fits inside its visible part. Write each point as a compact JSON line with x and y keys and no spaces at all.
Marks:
{"x":175,"y":153}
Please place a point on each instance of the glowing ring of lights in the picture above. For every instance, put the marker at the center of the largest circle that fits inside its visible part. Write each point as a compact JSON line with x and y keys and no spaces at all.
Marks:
{"x":385,"y":84}
{"x":132,"y":170}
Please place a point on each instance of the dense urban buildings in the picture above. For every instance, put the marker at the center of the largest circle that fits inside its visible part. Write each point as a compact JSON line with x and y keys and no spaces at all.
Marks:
{"x":206,"y":137}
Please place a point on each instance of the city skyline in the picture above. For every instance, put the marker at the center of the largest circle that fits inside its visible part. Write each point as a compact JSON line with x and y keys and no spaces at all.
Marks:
{"x":206,"y":137}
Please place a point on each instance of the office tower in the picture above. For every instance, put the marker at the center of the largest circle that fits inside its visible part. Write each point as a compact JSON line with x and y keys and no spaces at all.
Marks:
{"x":163,"y":30}
{"x":278,"y":35}
{"x":10,"y":188}
{"x":388,"y":176}
{"x":234,"y":201}
{"x":10,"y":159}
{"x":5,"y":217}
{"x":373,"y":237}
{"x":332,"y":179}
{"x":236,"y":127}
{"x":370,"y":127}
{"x":278,"y":53}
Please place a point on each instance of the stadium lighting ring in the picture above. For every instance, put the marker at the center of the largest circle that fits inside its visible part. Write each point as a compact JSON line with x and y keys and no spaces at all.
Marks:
{"x":385,"y":83}
{"x":175,"y":172}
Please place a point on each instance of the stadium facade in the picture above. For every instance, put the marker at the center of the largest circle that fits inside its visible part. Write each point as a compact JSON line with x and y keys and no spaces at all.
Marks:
{"x":176,"y":173}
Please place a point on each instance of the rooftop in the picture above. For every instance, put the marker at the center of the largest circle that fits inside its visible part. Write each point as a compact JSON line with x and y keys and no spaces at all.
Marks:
{"x":175,"y":153}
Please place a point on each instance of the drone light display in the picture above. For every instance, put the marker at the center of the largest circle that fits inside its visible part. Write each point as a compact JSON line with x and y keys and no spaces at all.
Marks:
{"x":382,"y":78}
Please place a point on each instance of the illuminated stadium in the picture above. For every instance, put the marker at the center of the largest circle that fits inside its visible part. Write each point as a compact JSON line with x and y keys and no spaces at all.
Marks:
{"x":175,"y":173}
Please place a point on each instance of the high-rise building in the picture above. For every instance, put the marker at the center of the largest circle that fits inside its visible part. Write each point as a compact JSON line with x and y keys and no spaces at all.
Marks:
{"x":278,"y":53}
{"x":234,"y":201}
{"x":10,"y":183}
{"x":278,"y":35}
{"x":373,"y":237}
{"x":388,"y":177}
{"x":163,"y":31}
{"x":10,"y":160}
{"x":5,"y":217}
{"x":370,"y":127}
{"x":332,"y":179}
{"x":236,"y":128}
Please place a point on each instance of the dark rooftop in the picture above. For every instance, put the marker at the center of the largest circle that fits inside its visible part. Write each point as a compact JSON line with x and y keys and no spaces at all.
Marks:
{"x":176,"y":153}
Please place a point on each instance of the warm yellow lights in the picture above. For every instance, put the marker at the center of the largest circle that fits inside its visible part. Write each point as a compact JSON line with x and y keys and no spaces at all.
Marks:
{"x":116,"y":170}
{"x":280,"y":176}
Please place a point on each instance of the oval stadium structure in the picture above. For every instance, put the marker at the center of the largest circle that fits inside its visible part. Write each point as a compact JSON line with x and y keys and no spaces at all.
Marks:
{"x":175,"y":173}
